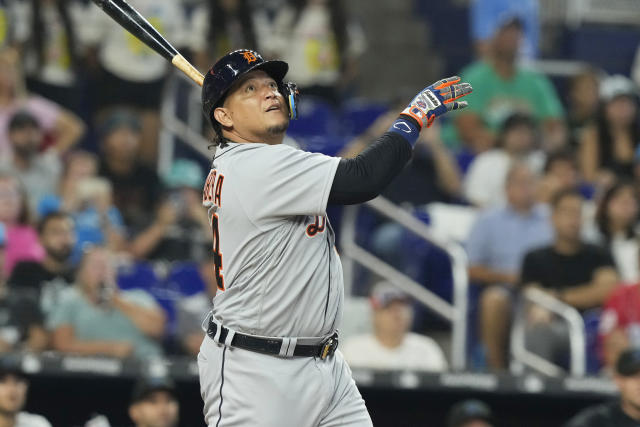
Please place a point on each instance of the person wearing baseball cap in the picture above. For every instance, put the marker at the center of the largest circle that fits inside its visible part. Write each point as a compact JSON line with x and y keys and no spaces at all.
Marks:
{"x":624,"y":412}
{"x":14,"y":385}
{"x":391,"y":345}
{"x":470,"y":413}
{"x":154,"y":403}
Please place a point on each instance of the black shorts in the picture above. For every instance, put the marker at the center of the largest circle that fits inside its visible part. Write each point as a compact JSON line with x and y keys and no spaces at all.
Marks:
{"x":112,"y":91}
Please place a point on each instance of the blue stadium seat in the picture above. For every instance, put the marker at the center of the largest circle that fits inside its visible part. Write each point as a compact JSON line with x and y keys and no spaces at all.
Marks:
{"x":315,"y":117}
{"x":357,"y":115}
{"x":591,"y":324}
{"x":329,"y":144}
{"x":140,"y":275}
{"x":185,"y":279}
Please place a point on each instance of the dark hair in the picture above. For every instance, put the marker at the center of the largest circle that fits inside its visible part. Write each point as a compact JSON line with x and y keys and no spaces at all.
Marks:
{"x":561,"y":155}
{"x":513,"y":121}
{"x":51,"y":216}
{"x":560,"y":195}
{"x":605,"y":139}
{"x":337,"y":19}
{"x":38,"y":35}
{"x":21,"y":120}
{"x":218,"y":18}
{"x":602,"y":214}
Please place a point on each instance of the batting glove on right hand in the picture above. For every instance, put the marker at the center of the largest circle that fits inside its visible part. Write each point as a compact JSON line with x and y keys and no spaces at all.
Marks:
{"x":437,"y":99}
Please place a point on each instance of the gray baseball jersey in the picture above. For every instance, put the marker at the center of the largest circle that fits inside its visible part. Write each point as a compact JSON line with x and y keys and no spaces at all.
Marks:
{"x":276,"y":264}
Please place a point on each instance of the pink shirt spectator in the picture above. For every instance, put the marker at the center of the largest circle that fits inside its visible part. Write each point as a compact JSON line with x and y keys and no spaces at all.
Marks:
{"x":44,"y":110}
{"x":22,"y":245}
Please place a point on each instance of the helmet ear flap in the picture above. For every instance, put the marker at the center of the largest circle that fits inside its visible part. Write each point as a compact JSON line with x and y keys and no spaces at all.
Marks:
{"x":291,"y":93}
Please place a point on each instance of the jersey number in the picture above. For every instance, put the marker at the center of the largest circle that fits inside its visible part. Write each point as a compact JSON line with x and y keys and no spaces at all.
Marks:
{"x":217,"y":255}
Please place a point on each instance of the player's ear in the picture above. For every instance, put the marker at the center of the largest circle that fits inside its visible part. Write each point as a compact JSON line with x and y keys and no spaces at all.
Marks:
{"x":223,"y":117}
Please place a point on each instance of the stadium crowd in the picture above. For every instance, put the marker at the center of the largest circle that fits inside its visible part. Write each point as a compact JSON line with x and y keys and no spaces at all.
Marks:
{"x":102,"y":255}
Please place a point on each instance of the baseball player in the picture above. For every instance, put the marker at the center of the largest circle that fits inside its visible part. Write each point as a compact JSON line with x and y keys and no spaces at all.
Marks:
{"x":269,"y":356}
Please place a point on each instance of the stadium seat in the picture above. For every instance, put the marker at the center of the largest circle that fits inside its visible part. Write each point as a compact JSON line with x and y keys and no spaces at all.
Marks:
{"x":315,"y":117}
{"x":357,"y":115}
{"x":139,"y":275}
{"x":185,"y":279}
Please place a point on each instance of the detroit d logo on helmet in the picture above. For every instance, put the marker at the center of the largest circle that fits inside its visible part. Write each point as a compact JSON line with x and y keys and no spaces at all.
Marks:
{"x":250,"y":57}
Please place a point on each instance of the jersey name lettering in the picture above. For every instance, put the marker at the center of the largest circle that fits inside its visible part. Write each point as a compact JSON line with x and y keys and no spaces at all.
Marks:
{"x":212,"y":192}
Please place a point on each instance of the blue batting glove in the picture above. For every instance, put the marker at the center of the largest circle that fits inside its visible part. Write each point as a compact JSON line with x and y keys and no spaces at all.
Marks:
{"x":436,"y":100}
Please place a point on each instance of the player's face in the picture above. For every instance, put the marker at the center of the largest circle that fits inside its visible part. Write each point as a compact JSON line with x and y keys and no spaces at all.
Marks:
{"x":256,"y":109}
{"x":13,"y":394}
{"x":630,"y":390}
{"x":58,"y":238}
{"x":160,"y":409}
{"x":567,"y":218}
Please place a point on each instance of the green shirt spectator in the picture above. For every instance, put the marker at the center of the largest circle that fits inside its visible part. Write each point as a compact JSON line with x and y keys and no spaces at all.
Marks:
{"x":96,"y":318}
{"x":92,"y":322}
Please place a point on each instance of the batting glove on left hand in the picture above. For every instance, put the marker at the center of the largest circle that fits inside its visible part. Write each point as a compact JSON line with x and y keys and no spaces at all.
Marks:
{"x":437,"y":99}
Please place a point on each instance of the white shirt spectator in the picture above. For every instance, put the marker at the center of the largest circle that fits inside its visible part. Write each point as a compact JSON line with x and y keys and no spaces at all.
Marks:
{"x":122,"y":54}
{"x":25,"y":419}
{"x":484,"y":184}
{"x":417,"y":352}
{"x":309,"y":46}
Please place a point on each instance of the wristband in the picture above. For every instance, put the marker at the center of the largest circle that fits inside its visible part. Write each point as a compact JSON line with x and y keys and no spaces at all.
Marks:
{"x":407,"y":128}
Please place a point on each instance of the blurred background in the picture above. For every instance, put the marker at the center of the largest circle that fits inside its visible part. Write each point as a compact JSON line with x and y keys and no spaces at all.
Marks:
{"x":496,"y":282}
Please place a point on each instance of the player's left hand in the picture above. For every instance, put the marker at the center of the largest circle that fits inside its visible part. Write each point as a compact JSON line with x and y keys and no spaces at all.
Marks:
{"x":437,"y":99}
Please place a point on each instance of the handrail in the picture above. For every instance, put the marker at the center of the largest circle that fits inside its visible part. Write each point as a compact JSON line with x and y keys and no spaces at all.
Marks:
{"x":577,"y":338}
{"x":454,"y":313}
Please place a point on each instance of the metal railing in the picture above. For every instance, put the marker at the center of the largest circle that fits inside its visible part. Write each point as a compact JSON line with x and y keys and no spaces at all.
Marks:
{"x":522,"y":356}
{"x":455,"y":312}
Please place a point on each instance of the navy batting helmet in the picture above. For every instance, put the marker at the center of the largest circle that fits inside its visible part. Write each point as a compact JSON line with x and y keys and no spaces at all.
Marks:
{"x":232,"y":67}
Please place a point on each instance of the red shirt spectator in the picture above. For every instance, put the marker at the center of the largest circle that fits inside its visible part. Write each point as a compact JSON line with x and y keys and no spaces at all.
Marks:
{"x":620,"y":323}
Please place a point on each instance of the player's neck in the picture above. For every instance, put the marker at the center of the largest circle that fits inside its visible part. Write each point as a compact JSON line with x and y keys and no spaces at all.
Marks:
{"x":270,"y":139}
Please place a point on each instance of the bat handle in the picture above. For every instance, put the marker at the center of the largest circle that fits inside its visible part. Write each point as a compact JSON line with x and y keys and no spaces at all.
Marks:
{"x":183,"y":65}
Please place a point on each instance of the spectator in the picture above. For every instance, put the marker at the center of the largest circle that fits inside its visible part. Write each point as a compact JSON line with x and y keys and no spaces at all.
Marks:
{"x":78,"y":166}
{"x":14,"y":386}
{"x":49,"y":277}
{"x":21,"y":322}
{"x":498,"y":241}
{"x":130,"y":73}
{"x":392,"y":346}
{"x":501,"y":88}
{"x":64,"y":128}
{"x":615,"y":228}
{"x":430,"y":176}
{"x":470,"y":413}
{"x":136,"y":187}
{"x":560,"y":173}
{"x":97,"y":318}
{"x":321,"y":45}
{"x":485,"y":180}
{"x":624,"y":412}
{"x":619,"y":327}
{"x":191,"y":310}
{"x":182,"y":230}
{"x":488,"y":16}
{"x":22,"y":239}
{"x":39,"y":172}
{"x":48,"y":34}
{"x":577,"y":273}
{"x":221,"y":26}
{"x":608,"y":147}
{"x":583,"y":101}
{"x":154,"y":403}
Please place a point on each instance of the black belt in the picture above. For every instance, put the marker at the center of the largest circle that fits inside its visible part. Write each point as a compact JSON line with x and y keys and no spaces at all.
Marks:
{"x":273,"y":345}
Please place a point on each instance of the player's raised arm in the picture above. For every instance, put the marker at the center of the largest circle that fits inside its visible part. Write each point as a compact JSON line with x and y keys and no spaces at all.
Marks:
{"x":364,"y":177}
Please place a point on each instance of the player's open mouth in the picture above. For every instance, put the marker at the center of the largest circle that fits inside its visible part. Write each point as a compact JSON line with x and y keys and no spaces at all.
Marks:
{"x":274,"y":108}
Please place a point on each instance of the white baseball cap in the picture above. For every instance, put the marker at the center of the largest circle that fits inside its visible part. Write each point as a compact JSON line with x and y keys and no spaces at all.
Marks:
{"x":617,"y":85}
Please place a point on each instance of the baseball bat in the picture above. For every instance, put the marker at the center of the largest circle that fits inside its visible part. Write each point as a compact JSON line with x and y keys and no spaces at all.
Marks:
{"x":132,"y":21}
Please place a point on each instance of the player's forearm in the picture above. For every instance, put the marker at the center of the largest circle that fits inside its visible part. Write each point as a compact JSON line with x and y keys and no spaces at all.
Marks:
{"x":365,"y":176}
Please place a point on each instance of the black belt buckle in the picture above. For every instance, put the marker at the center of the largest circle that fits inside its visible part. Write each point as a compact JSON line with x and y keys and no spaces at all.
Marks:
{"x":329,"y":346}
